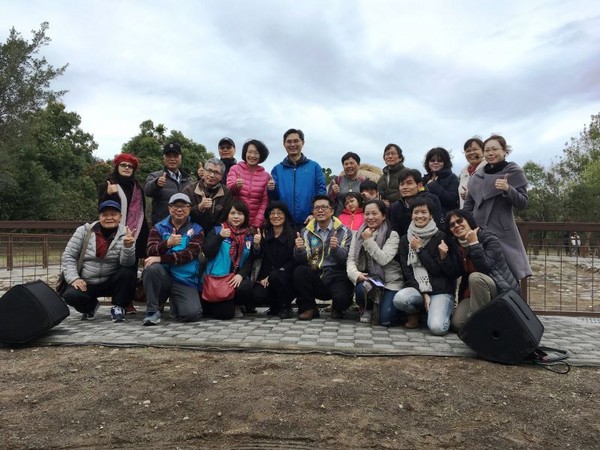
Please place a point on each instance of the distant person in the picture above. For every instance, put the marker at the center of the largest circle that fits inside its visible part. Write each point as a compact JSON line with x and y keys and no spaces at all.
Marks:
{"x":247,"y":180}
{"x":352,"y":215}
{"x":484,"y":269}
{"x":370,"y":191}
{"x":227,"y":155}
{"x":373,"y":269}
{"x":429,"y":271}
{"x":106,"y":271}
{"x":348,"y":182}
{"x":172,"y":266}
{"x":229,"y":250}
{"x":388,"y":183}
{"x":121,"y":186}
{"x":296,"y":180}
{"x":474,"y":155}
{"x":162,"y":184}
{"x":274,"y":284}
{"x":575,"y":243}
{"x":209,"y":196}
{"x":320,"y":252}
{"x":200,"y":170}
{"x":440,"y":180}
{"x":411,"y":187}
{"x":492,"y":194}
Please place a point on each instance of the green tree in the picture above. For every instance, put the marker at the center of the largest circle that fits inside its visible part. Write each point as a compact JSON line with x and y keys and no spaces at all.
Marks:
{"x":148,"y":144}
{"x":544,"y":194}
{"x":24,"y":78}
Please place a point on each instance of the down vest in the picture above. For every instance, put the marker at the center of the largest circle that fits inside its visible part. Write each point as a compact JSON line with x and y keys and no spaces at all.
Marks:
{"x":253,"y":191}
{"x":95,"y":270}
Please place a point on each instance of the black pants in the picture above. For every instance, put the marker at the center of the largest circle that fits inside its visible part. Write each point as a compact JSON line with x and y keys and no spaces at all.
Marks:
{"x":333,"y":284}
{"x":120,"y":286}
{"x":278,"y":294}
{"x":226,"y":310}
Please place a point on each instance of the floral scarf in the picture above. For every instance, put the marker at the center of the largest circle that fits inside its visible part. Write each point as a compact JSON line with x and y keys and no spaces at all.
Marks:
{"x":425,"y":233}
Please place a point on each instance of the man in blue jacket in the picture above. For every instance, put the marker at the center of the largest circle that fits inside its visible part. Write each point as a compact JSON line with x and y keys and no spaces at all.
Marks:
{"x":296,"y":180}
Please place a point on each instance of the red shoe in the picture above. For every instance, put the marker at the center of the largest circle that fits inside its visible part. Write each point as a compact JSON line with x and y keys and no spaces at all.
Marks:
{"x":130,"y":309}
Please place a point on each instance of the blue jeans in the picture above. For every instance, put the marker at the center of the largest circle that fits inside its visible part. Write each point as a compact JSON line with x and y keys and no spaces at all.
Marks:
{"x":388,"y":315}
{"x":411,"y":301}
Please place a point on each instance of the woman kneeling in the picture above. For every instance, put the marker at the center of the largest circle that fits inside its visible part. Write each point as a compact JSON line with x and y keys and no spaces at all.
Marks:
{"x":429,"y":270}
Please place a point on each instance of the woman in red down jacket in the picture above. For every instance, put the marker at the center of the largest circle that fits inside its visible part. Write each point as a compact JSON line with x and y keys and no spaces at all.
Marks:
{"x":247,"y":181}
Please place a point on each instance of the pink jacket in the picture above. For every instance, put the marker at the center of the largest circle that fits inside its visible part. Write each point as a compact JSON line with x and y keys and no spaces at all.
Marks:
{"x":253,"y":191}
{"x":352,"y":220}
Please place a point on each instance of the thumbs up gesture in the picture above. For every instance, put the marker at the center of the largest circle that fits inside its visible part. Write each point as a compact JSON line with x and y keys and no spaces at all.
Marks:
{"x":111,"y":188}
{"x":225,"y":232}
{"x":174,"y":240}
{"x":502,"y":183}
{"x":129,"y":238}
{"x":271,"y":184}
{"x":443,"y":249}
{"x":162,"y":180}
{"x":335,"y":188}
{"x":257,"y":239}
{"x":299,"y":242}
{"x":239,"y":182}
{"x":333,"y":242}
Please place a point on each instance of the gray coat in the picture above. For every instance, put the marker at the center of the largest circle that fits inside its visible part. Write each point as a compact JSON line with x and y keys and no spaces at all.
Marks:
{"x":493,"y":209}
{"x":160,"y":195}
{"x":95,"y":270}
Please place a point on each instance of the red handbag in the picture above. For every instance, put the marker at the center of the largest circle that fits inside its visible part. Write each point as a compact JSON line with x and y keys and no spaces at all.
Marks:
{"x":217,"y":289}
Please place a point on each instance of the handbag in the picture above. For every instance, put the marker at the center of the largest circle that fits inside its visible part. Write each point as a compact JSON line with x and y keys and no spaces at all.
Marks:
{"x":61,"y":284}
{"x":217,"y":289}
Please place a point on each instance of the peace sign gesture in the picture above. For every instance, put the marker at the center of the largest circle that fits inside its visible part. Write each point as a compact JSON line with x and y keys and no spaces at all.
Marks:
{"x":129,"y":238}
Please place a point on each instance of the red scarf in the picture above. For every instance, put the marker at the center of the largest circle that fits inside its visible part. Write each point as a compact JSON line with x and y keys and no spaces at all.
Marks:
{"x":238,"y":242}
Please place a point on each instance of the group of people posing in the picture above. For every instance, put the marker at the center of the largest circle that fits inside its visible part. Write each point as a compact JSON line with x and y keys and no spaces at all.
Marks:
{"x":240,"y":237}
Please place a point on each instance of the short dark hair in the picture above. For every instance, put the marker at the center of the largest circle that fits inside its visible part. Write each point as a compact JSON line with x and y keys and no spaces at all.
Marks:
{"x":421,"y":200}
{"x":241,"y":207}
{"x":470,"y":141}
{"x":462,"y":214}
{"x":380,"y":205}
{"x":322,"y":197}
{"x":356,"y":195}
{"x":368,"y":184}
{"x":263,"y":151}
{"x":442,"y":153}
{"x":405,"y":173}
{"x":398,"y":150}
{"x":292,"y":131}
{"x":352,"y":155}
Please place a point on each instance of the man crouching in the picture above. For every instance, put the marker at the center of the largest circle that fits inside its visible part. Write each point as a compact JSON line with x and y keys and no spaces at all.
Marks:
{"x":171,"y":268}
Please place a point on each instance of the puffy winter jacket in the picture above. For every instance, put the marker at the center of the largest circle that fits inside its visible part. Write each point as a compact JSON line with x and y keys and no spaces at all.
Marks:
{"x":95,"y":270}
{"x":296,"y":185}
{"x":253,"y":191}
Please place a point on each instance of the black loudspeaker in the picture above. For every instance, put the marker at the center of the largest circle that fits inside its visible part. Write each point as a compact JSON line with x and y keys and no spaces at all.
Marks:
{"x":505,"y":330}
{"x":28,"y":311}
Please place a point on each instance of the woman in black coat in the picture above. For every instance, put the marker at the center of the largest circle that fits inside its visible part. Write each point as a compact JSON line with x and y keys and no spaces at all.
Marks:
{"x":440,"y":180}
{"x":274,"y":284}
{"x":485,"y":272}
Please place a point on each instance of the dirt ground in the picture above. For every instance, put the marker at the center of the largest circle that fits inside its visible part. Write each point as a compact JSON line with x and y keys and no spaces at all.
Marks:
{"x":100,"y":397}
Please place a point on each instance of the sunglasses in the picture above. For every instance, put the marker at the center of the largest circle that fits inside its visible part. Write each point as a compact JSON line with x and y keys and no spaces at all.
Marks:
{"x":453,"y":224}
{"x":126,"y":165}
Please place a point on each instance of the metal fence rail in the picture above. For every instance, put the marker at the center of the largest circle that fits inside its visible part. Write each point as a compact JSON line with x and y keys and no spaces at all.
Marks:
{"x":565,"y":279}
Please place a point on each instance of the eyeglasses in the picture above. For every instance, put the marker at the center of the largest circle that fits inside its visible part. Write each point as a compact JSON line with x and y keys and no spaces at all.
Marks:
{"x":321,"y":207}
{"x":453,"y":224}
{"x":212,"y":172}
{"x":126,"y":165}
{"x":436,"y":160}
{"x":276,"y":213}
{"x":179,"y":207}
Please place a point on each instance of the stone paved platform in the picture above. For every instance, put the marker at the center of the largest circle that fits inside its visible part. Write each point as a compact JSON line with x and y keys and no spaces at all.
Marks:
{"x":581,"y":336}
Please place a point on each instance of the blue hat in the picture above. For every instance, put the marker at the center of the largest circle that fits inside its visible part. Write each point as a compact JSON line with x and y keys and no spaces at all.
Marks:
{"x":109,"y":204}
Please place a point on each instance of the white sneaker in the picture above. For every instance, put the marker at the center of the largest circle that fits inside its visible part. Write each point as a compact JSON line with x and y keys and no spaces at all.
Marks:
{"x":366,"y":316}
{"x":117,"y":314}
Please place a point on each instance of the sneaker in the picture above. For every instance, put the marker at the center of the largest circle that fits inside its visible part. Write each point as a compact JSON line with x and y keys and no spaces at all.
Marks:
{"x":366,"y":316}
{"x":238,"y":314}
{"x":131,"y":309}
{"x":152,"y":318}
{"x":91,"y":315}
{"x":117,"y":314}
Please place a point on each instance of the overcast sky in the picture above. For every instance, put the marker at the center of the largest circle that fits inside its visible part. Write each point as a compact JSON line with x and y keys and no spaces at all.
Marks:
{"x":353,"y":75}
